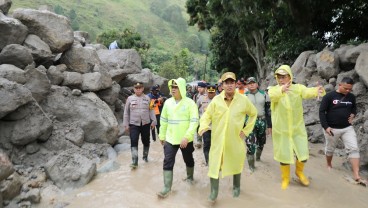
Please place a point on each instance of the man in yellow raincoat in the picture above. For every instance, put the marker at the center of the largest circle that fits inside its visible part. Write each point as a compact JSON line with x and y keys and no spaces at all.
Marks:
{"x":179,"y":122}
{"x":227,"y":112}
{"x":288,"y":129}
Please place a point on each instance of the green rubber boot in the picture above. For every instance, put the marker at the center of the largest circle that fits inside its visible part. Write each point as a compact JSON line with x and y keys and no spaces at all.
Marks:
{"x":168,"y":178}
{"x":258,"y":154}
{"x":190,"y":172}
{"x":250,"y":159}
{"x":214,"y":190}
{"x":236,"y":185}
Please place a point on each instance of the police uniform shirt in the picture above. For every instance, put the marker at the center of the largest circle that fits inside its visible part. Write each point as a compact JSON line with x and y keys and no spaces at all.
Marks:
{"x":137,"y":111}
{"x":202,"y":103}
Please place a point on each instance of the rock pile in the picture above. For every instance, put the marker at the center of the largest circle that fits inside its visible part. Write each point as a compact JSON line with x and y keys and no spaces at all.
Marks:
{"x":60,"y":102}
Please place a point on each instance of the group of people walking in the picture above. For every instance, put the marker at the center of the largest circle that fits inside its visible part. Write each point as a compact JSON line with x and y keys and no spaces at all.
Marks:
{"x":236,"y":119}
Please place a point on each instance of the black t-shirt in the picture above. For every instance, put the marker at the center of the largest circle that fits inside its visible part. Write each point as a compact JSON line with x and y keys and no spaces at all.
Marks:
{"x":335,"y":110}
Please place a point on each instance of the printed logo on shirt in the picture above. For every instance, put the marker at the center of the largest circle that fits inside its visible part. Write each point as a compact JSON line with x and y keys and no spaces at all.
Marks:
{"x":335,"y":102}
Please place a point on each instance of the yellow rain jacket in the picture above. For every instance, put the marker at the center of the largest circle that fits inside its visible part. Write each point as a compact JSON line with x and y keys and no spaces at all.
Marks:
{"x":227,"y":148}
{"x":288,"y":129}
{"x":178,"y":120}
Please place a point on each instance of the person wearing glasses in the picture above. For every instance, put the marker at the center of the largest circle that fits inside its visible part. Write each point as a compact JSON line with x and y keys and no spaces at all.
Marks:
{"x":288,"y":129}
{"x":137,"y":121}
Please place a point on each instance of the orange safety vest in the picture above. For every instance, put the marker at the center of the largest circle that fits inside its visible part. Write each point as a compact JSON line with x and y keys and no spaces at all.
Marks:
{"x":155,"y":106}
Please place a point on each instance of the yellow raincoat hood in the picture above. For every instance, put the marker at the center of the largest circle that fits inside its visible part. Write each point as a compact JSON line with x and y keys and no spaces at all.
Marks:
{"x":282,"y":70}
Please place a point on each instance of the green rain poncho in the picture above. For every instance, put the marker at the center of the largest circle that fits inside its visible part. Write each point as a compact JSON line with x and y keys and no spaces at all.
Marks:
{"x":288,"y":129}
{"x":227,"y":148}
{"x":178,"y":120}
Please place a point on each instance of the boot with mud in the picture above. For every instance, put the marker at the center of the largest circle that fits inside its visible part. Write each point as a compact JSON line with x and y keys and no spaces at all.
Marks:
{"x":168,"y":178}
{"x":214,"y":190}
{"x":198,"y":145}
{"x":258,"y":154}
{"x":250,"y":159}
{"x":299,"y":172}
{"x":190,"y":173}
{"x":236,"y":185}
{"x":134,"y":151}
{"x":145,"y":153}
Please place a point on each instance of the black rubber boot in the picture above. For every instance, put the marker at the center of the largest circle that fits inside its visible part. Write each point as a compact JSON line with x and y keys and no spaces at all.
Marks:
{"x":145,"y":153}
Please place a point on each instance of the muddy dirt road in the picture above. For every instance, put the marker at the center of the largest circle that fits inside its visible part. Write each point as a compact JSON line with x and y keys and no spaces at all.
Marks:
{"x":126,"y":188}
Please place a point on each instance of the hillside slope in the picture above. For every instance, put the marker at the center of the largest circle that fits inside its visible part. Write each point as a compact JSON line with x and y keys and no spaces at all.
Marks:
{"x":161,"y":22}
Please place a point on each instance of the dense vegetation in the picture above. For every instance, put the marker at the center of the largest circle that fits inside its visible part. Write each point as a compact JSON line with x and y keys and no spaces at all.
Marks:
{"x":246,"y":34}
{"x":158,"y":29}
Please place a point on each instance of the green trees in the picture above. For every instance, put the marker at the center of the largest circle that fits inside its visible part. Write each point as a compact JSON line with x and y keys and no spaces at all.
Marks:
{"x":126,"y":39}
{"x":238,"y":31}
{"x":245,"y":31}
{"x":187,"y":65}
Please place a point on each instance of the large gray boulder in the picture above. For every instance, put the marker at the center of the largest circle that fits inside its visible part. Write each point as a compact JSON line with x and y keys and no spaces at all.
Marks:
{"x":162,"y":82}
{"x":359,"y":89}
{"x":345,"y":63}
{"x":96,"y":46}
{"x":327,"y":64}
{"x":6,"y":167}
{"x":98,"y":80}
{"x":16,"y":55}
{"x":301,"y":62}
{"x":56,"y":74}
{"x":361,"y":67}
{"x":11,"y":188}
{"x":40,"y":51}
{"x":121,"y":62}
{"x":53,"y":29}
{"x":353,"y":53}
{"x":87,"y":110}
{"x":12,"y":31}
{"x":300,"y":70}
{"x":352,"y":74}
{"x":82,"y":37}
{"x":5,"y":6}
{"x":315,"y":133}
{"x":37,"y":82}
{"x":80,"y":59}
{"x":111,"y":94}
{"x":16,"y":95}
{"x":70,"y":170}
{"x":12,"y":73}
{"x":145,"y":77}
{"x":60,"y":140}
{"x":72,"y":79}
{"x":33,"y":125}
{"x":310,"y":111}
